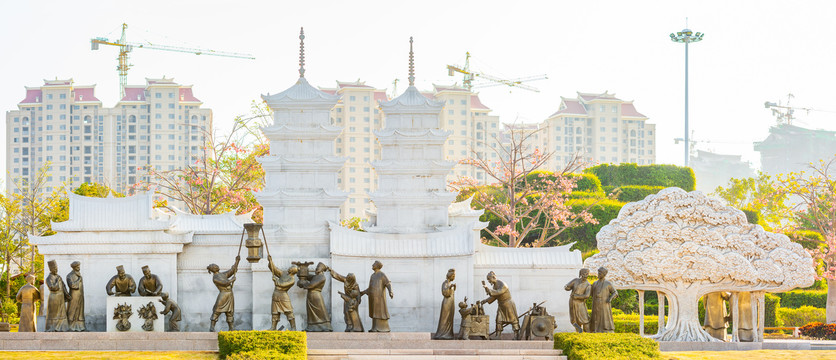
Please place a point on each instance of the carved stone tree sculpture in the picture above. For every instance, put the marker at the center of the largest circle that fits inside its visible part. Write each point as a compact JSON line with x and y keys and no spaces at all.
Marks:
{"x":687,"y":245}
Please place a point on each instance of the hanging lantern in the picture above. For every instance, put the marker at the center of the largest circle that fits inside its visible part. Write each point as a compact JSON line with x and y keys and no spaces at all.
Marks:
{"x":253,"y":243}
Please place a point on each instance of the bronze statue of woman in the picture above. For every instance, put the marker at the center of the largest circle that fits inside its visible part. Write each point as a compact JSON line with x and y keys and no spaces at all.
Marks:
{"x":318,"y":318}
{"x":448,"y":311}
{"x":75,"y":307}
{"x":351,"y":301}
{"x":56,"y":308}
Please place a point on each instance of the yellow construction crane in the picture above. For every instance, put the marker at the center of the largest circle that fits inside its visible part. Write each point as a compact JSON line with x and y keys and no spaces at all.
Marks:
{"x":470,"y":76}
{"x":125,"y":47}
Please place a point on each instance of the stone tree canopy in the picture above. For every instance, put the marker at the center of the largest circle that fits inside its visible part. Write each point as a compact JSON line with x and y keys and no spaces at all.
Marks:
{"x":687,"y":245}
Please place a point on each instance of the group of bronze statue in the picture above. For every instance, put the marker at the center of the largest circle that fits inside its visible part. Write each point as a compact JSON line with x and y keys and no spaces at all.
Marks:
{"x":602,"y":293}
{"x":318,"y":316}
{"x":123,"y":284}
{"x":65,"y":302}
{"x":717,"y":315}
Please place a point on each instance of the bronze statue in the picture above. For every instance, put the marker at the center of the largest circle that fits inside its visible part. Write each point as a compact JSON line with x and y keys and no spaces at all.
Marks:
{"x":580,"y":291}
{"x":27,"y":296}
{"x":281,"y":301}
{"x":464,"y":329}
{"x":318,"y":317}
{"x":474,"y":321}
{"x":716,"y":315}
{"x":602,"y":294}
{"x":148,"y":312}
{"x":744,"y":317}
{"x":538,"y":322}
{"x":149,"y":284}
{"x":506,"y":310}
{"x":124,"y":283}
{"x":225,"y":302}
{"x":448,"y":311}
{"x":56,"y":308}
{"x":351,"y":301}
{"x":378,"y":310}
{"x":121,"y":313}
{"x":174,"y":309}
{"x":75,"y":307}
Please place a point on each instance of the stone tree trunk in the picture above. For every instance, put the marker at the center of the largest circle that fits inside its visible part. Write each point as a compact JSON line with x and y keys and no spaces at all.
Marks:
{"x":830,"y":307}
{"x":683,"y":316}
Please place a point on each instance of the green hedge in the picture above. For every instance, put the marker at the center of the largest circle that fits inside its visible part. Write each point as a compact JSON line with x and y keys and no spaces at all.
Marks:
{"x":292,"y":345}
{"x":604,"y":211}
{"x":629,"y":193}
{"x":585,"y":182}
{"x":650,"y":175}
{"x":629,"y":323}
{"x":801,"y":316}
{"x":798,"y":298}
{"x":770,"y":308}
{"x":262,"y":355}
{"x":589,"y":346}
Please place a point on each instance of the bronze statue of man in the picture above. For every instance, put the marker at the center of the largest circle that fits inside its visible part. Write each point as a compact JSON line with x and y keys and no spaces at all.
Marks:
{"x":318,"y":317}
{"x":56,"y":302}
{"x":351,"y":301}
{"x":75,"y":307}
{"x":27,"y":296}
{"x":580,"y":291}
{"x":281,"y":300}
{"x":378,"y":311}
{"x":225,"y":302}
{"x":602,"y":294}
{"x":716,"y":315}
{"x":149,"y":284}
{"x":448,"y":308}
{"x":174,"y":309}
{"x":506,"y":310}
{"x":122,"y":282}
{"x":745,"y":330}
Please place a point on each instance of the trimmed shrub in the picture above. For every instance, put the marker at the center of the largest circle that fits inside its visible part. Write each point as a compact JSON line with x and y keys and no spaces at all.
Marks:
{"x":650,"y":175}
{"x":585,"y":182}
{"x":588,"y":346}
{"x":263,"y":355}
{"x":292,"y":344}
{"x":604,"y":211}
{"x":629,"y":323}
{"x":771,"y":304}
{"x":798,"y":298}
{"x":819,"y":331}
{"x":801,"y":316}
{"x":629,"y":193}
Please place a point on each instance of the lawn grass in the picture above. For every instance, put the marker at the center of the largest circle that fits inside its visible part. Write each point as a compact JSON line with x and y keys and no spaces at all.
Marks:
{"x":752,"y":355}
{"x":109,"y":355}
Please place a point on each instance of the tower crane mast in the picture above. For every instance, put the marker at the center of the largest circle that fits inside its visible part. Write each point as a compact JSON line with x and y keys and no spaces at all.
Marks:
{"x":471,"y":75}
{"x":125,"y":47}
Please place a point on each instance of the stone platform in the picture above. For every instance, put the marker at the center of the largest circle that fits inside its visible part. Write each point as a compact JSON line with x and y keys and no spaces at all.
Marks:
{"x":115,"y":341}
{"x":744,"y":346}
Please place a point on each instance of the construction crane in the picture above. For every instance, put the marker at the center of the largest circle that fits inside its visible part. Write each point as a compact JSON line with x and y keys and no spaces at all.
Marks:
{"x":125,"y":47}
{"x":784,"y":113}
{"x":471,"y":75}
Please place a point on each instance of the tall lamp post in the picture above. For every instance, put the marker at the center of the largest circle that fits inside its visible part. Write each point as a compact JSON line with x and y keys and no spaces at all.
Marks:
{"x":686,"y":36}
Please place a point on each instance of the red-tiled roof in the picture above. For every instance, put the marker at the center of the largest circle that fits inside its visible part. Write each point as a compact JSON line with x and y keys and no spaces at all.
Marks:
{"x":134,"y":93}
{"x":627,"y":109}
{"x":33,"y":96}
{"x":186,"y":95}
{"x":86,"y":93}
{"x":475,"y":103}
{"x":572,"y":106}
{"x":328,"y":91}
{"x":428,"y":95}
{"x":380,"y":96}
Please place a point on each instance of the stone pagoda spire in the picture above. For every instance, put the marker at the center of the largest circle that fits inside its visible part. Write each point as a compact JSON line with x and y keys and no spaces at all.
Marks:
{"x":412,"y":194}
{"x":300,"y":191}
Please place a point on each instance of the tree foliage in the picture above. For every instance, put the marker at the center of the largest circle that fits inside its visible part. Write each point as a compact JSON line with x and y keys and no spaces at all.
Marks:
{"x":761,"y":194}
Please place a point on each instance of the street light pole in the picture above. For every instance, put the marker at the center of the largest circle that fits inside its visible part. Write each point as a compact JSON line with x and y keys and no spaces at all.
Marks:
{"x":686,"y":36}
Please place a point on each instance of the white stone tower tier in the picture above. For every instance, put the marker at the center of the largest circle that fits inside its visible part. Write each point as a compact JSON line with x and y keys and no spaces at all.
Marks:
{"x":412,"y":195}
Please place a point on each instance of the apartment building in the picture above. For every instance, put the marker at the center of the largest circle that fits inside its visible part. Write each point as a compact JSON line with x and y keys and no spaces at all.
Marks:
{"x":599,"y":127}
{"x":358,"y":113}
{"x":160,"y":125}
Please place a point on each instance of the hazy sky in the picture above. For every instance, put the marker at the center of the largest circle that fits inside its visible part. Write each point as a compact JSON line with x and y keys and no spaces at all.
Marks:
{"x":753,"y":51}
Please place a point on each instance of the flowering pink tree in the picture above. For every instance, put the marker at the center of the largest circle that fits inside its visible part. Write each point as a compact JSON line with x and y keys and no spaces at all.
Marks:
{"x":223,"y":176}
{"x":816,"y":211}
{"x":530,"y":206}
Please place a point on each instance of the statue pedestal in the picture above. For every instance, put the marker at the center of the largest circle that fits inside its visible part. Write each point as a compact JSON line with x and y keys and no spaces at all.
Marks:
{"x":135,"y":302}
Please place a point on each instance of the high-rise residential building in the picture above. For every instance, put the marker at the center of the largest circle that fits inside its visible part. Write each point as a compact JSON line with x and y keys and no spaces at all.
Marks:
{"x":790,"y":148}
{"x":599,"y":127}
{"x":358,"y":112}
{"x":160,"y":125}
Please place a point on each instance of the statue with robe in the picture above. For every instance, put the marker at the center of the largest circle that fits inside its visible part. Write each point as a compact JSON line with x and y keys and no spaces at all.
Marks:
{"x":56,"y":301}
{"x":123,"y":283}
{"x":351,"y":301}
{"x":149,"y":284}
{"x":75,"y":307}
{"x":602,"y":294}
{"x":281,"y":300}
{"x":378,"y":310}
{"x":318,"y":318}
{"x":506,"y":309}
{"x":448,"y":308}
{"x":225,"y":302}
{"x":745,"y":328}
{"x":580,"y":291}
{"x":27,"y":296}
{"x":716,"y":315}
{"x":174,"y":309}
